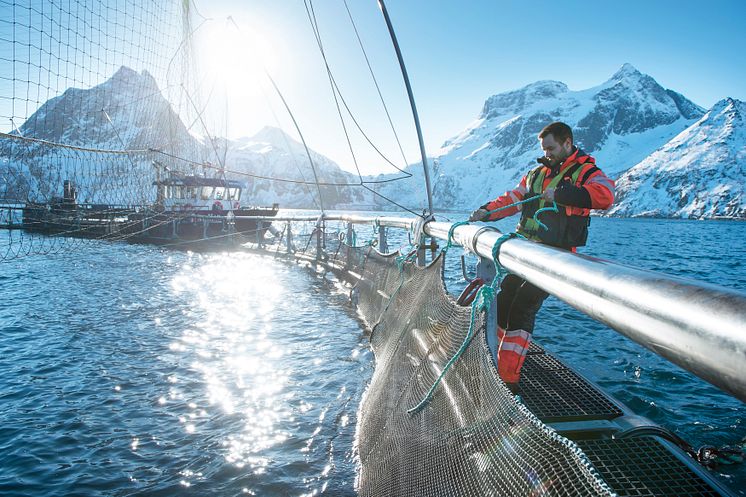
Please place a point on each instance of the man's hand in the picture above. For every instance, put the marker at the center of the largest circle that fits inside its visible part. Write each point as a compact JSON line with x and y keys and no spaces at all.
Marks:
{"x":548,"y":194}
{"x":479,"y":215}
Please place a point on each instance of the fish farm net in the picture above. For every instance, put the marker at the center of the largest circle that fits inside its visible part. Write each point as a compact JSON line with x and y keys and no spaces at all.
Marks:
{"x":90,"y":99}
{"x":473,"y":437}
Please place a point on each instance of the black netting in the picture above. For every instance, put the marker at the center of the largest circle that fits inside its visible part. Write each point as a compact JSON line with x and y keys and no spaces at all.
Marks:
{"x":93,"y":101}
{"x":473,"y":437}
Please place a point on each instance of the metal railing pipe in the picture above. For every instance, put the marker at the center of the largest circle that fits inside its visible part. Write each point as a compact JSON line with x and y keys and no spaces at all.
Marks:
{"x":698,"y":326}
{"x":390,"y":221}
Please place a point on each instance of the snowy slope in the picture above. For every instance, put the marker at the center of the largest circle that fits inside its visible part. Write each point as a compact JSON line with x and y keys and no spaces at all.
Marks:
{"x":698,"y":174}
{"x":273,"y":153}
{"x":125,"y":112}
{"x":620,"y":122}
{"x":128,"y":112}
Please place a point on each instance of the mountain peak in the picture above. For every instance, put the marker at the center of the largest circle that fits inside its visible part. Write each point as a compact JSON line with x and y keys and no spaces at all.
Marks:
{"x":126,"y":76}
{"x":730,"y":103}
{"x":726,"y":109}
{"x":626,"y":71}
{"x":272,"y":135}
{"x":124,"y":72}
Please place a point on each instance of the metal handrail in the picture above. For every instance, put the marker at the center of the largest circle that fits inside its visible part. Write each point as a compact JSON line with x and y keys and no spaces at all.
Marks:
{"x":699,"y":326}
{"x":388,"y":221}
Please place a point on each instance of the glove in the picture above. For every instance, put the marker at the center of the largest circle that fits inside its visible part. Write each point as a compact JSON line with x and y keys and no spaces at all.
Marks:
{"x":479,"y":215}
{"x":548,"y":194}
{"x":574,"y":196}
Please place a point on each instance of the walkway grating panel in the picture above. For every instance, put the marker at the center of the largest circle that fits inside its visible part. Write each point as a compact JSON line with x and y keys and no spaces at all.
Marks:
{"x":642,"y":466}
{"x":553,"y":392}
{"x":535,"y":348}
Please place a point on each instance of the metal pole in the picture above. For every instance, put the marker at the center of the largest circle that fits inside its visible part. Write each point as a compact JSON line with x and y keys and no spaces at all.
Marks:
{"x":412,"y":104}
{"x":698,"y":326}
{"x":290,"y":239}
{"x":383,"y":245}
{"x":319,"y":227}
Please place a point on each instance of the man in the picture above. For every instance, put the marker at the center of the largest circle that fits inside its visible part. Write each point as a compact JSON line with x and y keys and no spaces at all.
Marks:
{"x":569,"y":177}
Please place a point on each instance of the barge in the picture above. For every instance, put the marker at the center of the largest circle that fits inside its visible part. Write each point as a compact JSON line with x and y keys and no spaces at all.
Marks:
{"x":190,"y":212}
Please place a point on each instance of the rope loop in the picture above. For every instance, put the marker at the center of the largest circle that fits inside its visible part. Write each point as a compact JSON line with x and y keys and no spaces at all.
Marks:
{"x":553,"y":208}
{"x":450,"y":234}
{"x":501,"y":272}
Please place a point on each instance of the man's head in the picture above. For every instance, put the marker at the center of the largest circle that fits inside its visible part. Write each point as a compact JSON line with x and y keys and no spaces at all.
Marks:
{"x":556,"y":142}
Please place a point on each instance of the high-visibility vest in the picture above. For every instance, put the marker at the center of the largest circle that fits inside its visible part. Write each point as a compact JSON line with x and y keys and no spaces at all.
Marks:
{"x":564,"y":230}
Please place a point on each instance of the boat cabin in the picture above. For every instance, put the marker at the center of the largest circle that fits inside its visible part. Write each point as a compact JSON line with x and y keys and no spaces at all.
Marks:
{"x":197,"y":193}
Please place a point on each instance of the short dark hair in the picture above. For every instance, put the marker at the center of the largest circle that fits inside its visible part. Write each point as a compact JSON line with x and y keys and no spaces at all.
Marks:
{"x":559,"y":130}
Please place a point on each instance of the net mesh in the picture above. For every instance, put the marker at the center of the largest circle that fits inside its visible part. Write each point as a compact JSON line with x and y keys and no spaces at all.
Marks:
{"x":94,"y":95}
{"x":473,"y":437}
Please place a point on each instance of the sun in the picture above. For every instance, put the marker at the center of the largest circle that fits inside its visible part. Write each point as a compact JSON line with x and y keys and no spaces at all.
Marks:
{"x":235,"y":59}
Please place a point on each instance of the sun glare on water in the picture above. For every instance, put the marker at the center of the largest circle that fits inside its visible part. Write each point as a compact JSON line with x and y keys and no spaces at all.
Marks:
{"x":231,"y":345}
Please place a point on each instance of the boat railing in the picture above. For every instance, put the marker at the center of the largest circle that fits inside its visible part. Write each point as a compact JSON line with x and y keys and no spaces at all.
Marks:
{"x":699,"y":326}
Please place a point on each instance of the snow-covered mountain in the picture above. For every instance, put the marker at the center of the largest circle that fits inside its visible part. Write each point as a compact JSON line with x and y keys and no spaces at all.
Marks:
{"x":698,"y":174}
{"x":125,"y":112}
{"x":620,"y":122}
{"x":129,"y":112}
{"x":670,"y":158}
{"x":273,"y":153}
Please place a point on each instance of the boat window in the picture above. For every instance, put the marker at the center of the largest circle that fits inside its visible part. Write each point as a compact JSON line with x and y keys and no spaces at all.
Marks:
{"x":206,"y":193}
{"x":190,"y":192}
{"x":219,"y":192}
{"x":237,"y":195}
{"x":234,"y":193}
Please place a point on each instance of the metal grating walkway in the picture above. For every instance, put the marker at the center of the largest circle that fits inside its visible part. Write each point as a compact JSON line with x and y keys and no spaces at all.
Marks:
{"x":636,"y":467}
{"x":555,"y":393}
{"x":535,"y":348}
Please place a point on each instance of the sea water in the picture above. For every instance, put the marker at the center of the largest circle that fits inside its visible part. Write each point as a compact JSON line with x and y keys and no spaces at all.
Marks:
{"x":134,"y":370}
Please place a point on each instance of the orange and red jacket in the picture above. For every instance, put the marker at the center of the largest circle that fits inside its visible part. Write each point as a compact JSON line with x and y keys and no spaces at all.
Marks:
{"x":592,"y":190}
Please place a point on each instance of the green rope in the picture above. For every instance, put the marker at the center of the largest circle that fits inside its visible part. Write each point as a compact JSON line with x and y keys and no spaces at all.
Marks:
{"x":450,"y":234}
{"x":553,"y":208}
{"x":485,"y":296}
{"x":524,"y":201}
{"x":500,"y":271}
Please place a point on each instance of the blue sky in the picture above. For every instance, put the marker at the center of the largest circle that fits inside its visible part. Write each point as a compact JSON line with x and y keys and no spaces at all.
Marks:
{"x":457,"y":54}
{"x":460,"y":53}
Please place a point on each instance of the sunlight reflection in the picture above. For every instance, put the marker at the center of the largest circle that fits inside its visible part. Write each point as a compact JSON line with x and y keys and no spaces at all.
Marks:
{"x":229,"y":341}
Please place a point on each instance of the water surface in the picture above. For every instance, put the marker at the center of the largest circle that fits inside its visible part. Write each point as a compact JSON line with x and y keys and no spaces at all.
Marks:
{"x":132,"y":370}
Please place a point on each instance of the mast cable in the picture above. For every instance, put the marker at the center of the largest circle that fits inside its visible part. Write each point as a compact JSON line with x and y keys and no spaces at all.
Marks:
{"x":315,"y":27}
{"x":375,"y":81}
{"x":412,"y":104}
